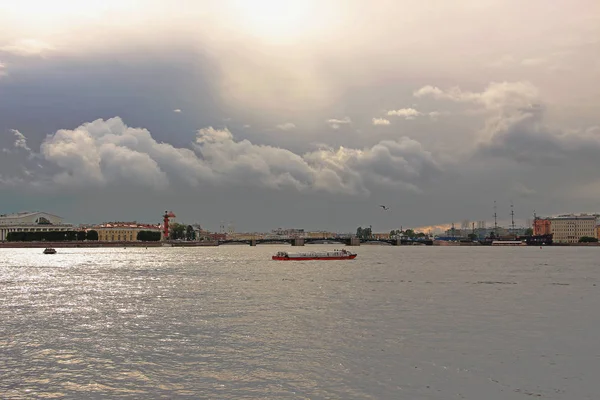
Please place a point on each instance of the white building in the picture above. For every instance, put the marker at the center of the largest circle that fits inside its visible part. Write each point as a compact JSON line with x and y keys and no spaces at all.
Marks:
{"x":31,"y":222}
{"x":570,"y":228}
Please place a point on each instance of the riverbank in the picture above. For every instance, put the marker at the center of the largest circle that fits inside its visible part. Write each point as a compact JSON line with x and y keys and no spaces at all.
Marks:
{"x":92,"y":244}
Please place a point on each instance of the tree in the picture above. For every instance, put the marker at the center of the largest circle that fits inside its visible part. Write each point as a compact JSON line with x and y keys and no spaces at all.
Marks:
{"x":472,"y":237}
{"x":359,"y":232}
{"x":177,"y":231}
{"x":148,"y":236}
{"x":190,"y":233}
{"x":409,"y":233}
{"x":393,"y":233}
{"x":587,"y":239}
{"x":91,"y":235}
{"x":528,"y":232}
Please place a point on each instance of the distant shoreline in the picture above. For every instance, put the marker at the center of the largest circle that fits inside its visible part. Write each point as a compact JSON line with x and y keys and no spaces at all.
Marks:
{"x":96,"y":244}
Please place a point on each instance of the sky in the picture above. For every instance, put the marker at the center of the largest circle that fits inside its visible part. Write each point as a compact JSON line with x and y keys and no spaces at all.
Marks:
{"x":300,"y":113}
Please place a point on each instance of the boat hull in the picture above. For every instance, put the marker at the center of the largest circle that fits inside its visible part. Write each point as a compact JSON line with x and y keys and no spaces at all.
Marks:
{"x":280,"y":258}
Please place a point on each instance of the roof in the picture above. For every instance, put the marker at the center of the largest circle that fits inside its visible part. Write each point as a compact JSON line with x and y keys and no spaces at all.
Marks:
{"x":126,"y":225}
{"x":24,"y":214}
{"x":584,"y":216}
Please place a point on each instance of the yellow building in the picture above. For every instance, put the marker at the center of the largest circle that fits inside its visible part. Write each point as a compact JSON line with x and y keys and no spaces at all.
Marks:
{"x":570,"y":228}
{"x":122,"y":231}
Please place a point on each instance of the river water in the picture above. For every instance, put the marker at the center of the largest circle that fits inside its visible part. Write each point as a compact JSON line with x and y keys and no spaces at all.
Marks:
{"x":228,"y":323}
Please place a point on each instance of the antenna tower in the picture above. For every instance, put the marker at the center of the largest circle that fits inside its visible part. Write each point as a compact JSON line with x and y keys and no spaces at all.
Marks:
{"x":495,"y":219}
{"x":512,"y":217}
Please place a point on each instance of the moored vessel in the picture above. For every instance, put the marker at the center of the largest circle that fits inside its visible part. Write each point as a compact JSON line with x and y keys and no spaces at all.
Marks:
{"x":315,"y":255}
{"x":49,"y":250}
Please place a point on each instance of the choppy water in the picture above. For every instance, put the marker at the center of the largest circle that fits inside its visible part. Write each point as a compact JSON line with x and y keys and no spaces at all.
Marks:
{"x":225,"y":323}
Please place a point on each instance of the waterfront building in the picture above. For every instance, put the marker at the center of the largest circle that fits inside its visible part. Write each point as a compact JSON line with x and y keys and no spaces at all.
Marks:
{"x":243,"y":236}
{"x":541,"y":226}
{"x":31,"y":222}
{"x":289,"y":233}
{"x":381,"y":236}
{"x":122,"y":231}
{"x":570,"y":228}
{"x":319,"y":235}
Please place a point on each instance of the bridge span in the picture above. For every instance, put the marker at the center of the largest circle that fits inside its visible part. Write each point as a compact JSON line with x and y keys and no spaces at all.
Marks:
{"x":353,"y":241}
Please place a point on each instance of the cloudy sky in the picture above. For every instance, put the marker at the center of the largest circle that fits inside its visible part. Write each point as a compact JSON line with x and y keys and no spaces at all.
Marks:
{"x":300,"y":113}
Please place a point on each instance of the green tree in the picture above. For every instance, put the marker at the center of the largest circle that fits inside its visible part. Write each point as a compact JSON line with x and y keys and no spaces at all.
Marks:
{"x":148,"y":236}
{"x":190,"y":233}
{"x":587,"y":239}
{"x":393,"y":233}
{"x":359,"y":232}
{"x":409,"y":233}
{"x":176,"y":231}
{"x":91,"y":235}
{"x":472,"y":237}
{"x":528,"y":232}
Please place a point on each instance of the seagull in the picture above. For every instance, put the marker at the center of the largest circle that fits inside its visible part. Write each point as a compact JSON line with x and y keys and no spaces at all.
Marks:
{"x":384,"y":207}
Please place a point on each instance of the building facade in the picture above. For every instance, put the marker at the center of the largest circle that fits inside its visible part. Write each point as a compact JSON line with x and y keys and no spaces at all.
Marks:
{"x":542,"y":226}
{"x":31,"y":222}
{"x":122,"y":231}
{"x":571,"y":228}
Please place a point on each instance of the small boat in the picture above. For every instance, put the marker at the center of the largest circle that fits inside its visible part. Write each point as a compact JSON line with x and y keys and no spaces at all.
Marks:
{"x":315,"y":255}
{"x":49,"y":250}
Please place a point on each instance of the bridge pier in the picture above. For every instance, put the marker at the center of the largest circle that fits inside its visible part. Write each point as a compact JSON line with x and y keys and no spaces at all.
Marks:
{"x":396,"y":242}
{"x":354,"y":241}
{"x":253,"y":242}
{"x":298,"y":242}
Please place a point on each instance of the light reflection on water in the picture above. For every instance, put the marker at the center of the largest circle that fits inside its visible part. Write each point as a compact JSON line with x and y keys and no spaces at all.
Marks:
{"x":406,"y":322}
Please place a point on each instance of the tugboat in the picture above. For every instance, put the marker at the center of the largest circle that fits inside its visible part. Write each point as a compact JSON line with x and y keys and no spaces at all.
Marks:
{"x":315,"y":255}
{"x":49,"y":250}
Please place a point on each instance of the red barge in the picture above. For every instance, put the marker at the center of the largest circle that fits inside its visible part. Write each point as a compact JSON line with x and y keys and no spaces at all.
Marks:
{"x":315,"y":255}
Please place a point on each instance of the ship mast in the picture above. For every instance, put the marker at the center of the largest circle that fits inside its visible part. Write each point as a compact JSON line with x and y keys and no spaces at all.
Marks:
{"x":495,"y":220}
{"x":512,"y":217}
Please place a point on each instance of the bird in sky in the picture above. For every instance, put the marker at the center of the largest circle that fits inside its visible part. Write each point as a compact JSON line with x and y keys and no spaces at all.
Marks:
{"x":384,"y":207}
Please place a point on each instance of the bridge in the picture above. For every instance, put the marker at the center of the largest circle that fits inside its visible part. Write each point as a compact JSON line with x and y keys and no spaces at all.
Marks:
{"x":352,"y":241}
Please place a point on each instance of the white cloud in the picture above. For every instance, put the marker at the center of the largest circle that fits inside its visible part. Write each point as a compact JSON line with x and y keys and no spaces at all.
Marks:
{"x":177,"y":110}
{"x":27,"y":47}
{"x":288,"y":126}
{"x":20,"y":141}
{"x":104,"y":152}
{"x":337,"y":123}
{"x":380,"y":121}
{"x":402,"y":163}
{"x":407,"y":113}
{"x":2,"y":69}
{"x":428,"y":91}
{"x":108,"y":152}
{"x":497,"y":96}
